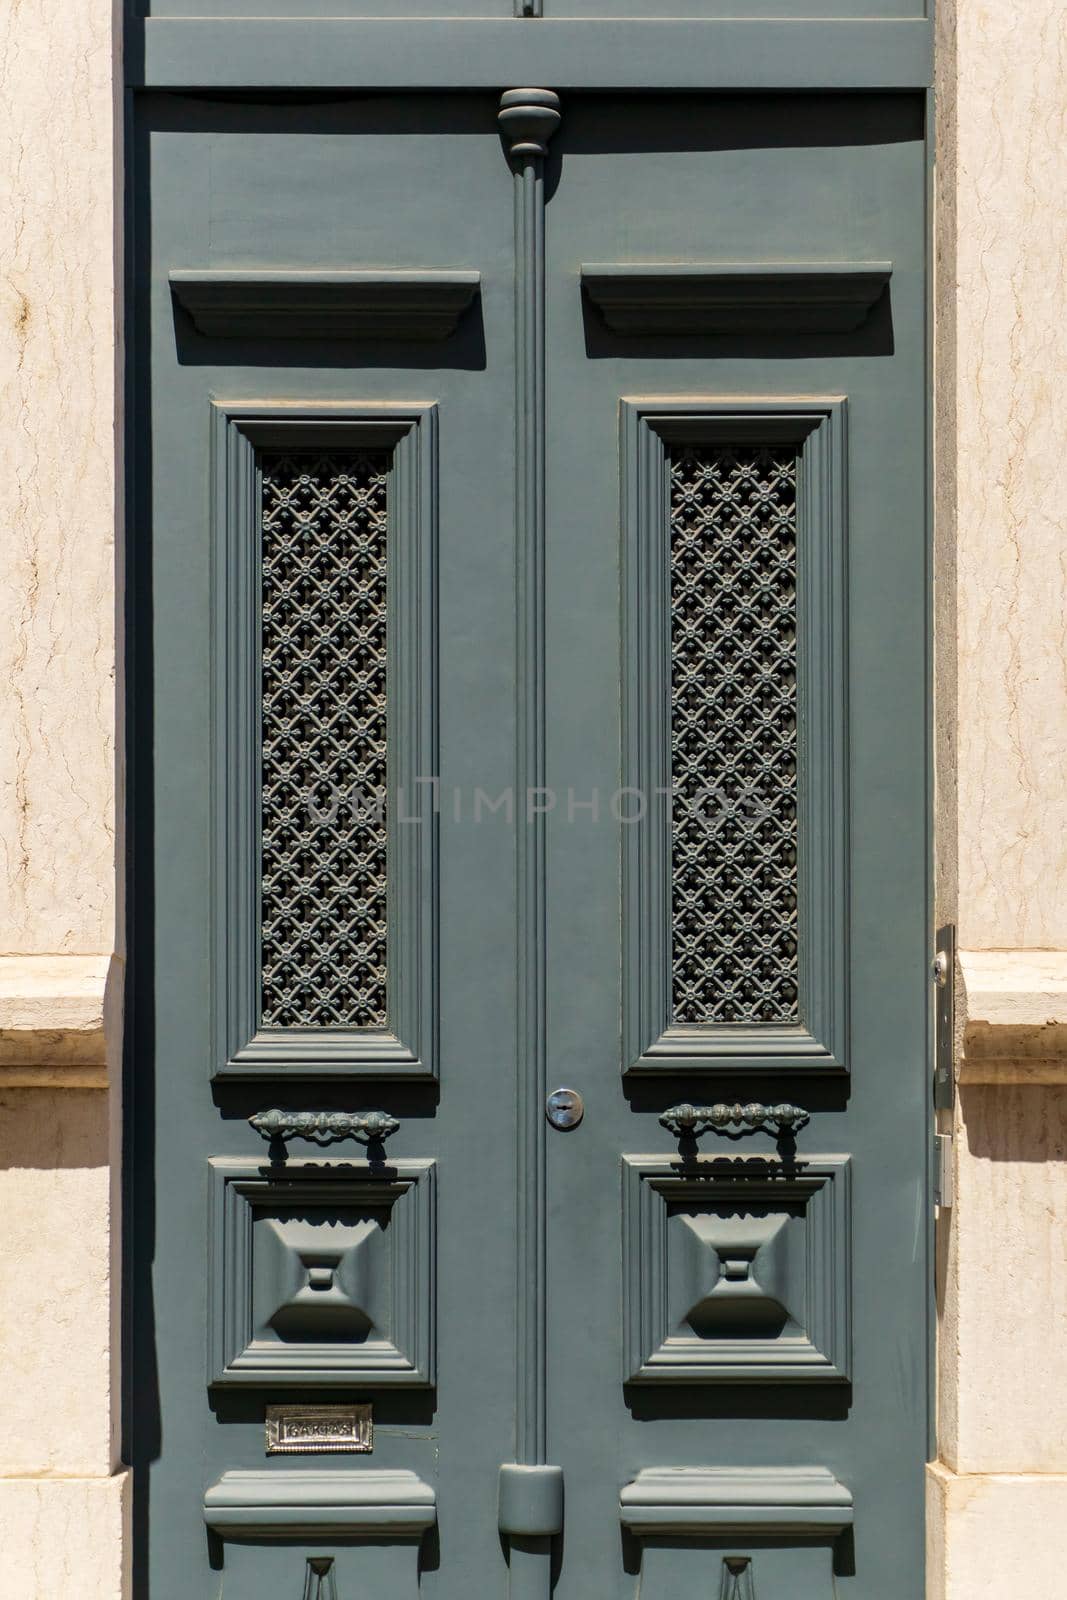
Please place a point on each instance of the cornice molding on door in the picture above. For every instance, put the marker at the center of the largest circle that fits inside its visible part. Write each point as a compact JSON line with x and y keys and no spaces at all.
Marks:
{"x":53,"y":1020}
{"x":761,"y":1501}
{"x":320,"y":1503}
{"x":258,"y":303}
{"x":792,"y":297}
{"x":1013,"y":1006}
{"x":590,"y":53}
{"x":781,"y":1523}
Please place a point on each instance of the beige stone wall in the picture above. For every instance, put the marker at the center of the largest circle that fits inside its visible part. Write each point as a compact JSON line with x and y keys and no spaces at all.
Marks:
{"x":1011,"y":343}
{"x":56,"y":1328}
{"x":998,"y":1496}
{"x":62,"y":1502}
{"x":57,"y":490}
{"x":996,"y":1535}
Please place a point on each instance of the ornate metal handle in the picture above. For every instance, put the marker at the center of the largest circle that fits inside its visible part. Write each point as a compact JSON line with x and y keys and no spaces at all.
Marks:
{"x":325,"y":1126}
{"x":690,"y":1120}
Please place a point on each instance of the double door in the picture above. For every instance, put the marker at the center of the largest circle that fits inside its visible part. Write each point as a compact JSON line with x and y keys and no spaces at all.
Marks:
{"x":528,"y":1073}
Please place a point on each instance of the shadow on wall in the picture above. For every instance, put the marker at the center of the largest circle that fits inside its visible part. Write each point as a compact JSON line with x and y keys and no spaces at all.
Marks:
{"x":52,"y":1129}
{"x":1014,"y":1122}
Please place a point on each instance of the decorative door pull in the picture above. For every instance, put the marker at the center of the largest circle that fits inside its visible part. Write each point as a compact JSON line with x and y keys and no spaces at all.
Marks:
{"x":686,"y":1121}
{"x":324,"y":1127}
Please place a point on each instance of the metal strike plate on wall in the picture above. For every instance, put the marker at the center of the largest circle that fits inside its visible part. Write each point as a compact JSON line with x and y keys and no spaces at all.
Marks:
{"x":944,"y":1188}
{"x":943,"y":973}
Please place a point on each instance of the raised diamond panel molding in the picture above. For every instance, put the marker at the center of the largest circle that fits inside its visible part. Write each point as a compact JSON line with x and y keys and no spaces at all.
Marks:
{"x":736,"y":1272}
{"x":323,"y":641}
{"x":321,"y":1275}
{"x":733,"y":734}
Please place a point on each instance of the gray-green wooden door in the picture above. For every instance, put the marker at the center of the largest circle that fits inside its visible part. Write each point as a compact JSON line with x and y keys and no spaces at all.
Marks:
{"x":528,"y":621}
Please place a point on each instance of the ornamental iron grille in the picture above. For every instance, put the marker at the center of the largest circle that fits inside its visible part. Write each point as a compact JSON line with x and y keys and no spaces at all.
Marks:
{"x":733,"y":566}
{"x":323,"y":902}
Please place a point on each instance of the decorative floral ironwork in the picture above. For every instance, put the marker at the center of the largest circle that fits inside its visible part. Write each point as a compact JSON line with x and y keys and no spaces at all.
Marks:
{"x":323,"y":887}
{"x":691,"y":1121}
{"x":324,"y":1127}
{"x":733,"y":735}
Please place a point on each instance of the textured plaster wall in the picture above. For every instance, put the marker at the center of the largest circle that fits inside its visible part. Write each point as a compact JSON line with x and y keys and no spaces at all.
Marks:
{"x":997,"y":1502}
{"x":1002,"y":379}
{"x":62,"y":1506}
{"x":1003,"y":1335}
{"x":65,"y":1538}
{"x":55,"y":1333}
{"x":993,"y":1537}
{"x":57,"y":405}
{"x":1009,"y":195}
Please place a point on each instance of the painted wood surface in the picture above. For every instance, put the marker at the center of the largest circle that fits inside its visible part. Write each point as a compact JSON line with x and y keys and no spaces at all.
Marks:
{"x":508,"y":1324}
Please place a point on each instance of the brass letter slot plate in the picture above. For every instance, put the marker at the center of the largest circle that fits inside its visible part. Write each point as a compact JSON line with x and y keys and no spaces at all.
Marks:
{"x":319,"y":1430}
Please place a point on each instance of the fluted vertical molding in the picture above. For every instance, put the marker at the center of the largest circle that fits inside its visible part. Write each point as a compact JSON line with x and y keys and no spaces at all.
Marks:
{"x":528,"y":118}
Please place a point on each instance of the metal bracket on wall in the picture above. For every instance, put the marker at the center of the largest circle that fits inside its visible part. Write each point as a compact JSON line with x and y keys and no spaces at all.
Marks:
{"x":943,"y":1184}
{"x":943,"y":974}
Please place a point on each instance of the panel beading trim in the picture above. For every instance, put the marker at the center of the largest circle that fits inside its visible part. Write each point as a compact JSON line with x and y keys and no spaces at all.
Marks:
{"x":527,"y":119}
{"x":241,"y":1184}
{"x":654,"y":1351}
{"x":651,"y":427}
{"x":406,"y":1046}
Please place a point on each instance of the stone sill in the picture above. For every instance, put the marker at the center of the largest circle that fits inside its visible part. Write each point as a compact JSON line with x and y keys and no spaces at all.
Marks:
{"x":1013,"y":1006}
{"x":943,"y":1474}
{"x":54,"y":1021}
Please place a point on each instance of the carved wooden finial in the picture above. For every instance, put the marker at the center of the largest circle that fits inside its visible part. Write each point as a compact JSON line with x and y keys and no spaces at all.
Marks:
{"x":528,"y":118}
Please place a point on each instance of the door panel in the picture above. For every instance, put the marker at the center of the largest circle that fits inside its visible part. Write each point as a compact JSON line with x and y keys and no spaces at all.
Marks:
{"x":347,"y":659}
{"x":317,"y":1279}
{"x":756,"y":182}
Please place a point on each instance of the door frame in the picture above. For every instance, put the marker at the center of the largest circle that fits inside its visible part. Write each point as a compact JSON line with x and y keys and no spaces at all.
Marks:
{"x":186,"y":55}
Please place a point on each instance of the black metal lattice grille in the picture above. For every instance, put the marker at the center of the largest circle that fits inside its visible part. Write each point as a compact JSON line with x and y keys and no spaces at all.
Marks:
{"x":733,"y":564}
{"x":323,"y":731}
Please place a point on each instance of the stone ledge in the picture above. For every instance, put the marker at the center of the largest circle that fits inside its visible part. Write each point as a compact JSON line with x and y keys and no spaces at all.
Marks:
{"x":52,"y":1021}
{"x":1013,"y":1006}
